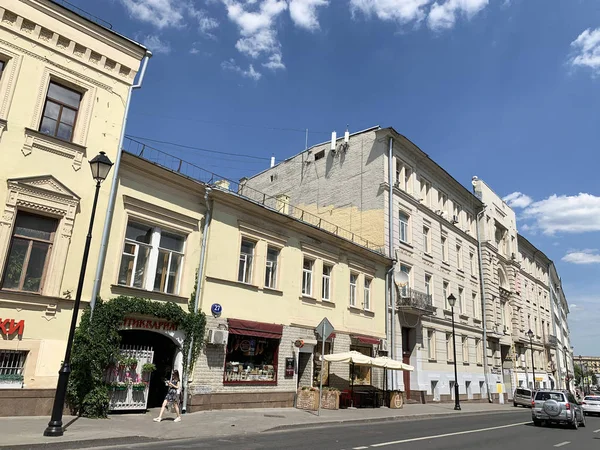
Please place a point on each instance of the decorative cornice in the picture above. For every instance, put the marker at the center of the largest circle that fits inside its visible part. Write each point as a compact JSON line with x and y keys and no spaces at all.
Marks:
{"x":181,"y":221}
{"x":41,"y":141}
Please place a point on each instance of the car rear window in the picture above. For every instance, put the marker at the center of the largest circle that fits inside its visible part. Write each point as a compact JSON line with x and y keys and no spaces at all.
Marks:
{"x":597,"y":399}
{"x":543,"y":396}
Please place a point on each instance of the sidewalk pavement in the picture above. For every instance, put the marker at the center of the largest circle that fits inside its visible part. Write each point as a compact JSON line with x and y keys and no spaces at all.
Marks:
{"x":25,"y":432}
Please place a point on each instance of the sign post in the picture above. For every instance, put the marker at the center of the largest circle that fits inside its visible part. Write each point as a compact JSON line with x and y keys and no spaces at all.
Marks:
{"x":324,"y":330}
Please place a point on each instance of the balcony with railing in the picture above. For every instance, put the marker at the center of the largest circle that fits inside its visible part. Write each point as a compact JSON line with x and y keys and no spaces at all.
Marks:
{"x":550,"y":341}
{"x":415,"y":302}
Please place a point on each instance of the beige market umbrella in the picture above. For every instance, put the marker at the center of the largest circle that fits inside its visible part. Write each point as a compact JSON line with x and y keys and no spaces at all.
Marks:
{"x":392,"y":364}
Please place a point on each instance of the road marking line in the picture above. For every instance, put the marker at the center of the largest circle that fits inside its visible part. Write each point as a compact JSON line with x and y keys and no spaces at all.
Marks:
{"x":359,"y":448}
{"x":597,"y":431}
{"x":458,"y":433}
{"x":562,"y":443}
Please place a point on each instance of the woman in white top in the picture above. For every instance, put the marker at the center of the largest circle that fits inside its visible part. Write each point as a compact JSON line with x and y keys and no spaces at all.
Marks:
{"x":172,"y":397}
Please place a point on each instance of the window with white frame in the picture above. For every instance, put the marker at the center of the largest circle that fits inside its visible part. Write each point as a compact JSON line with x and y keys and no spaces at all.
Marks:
{"x":461,"y":305}
{"x":428,"y":287}
{"x":246,"y":261}
{"x":445,"y":293}
{"x":444,"y":243}
{"x":367,"y":294}
{"x":465,"y":349}
{"x":474,"y":305}
{"x":271,"y":267}
{"x":431,"y":344}
{"x":449,"y":348}
{"x":479,"y":351}
{"x":472,"y":262}
{"x":443,"y":202}
{"x":459,"y":257}
{"x":353,"y":284}
{"x":307,"y":276}
{"x":425,"y":192}
{"x":403,"y":218}
{"x":404,"y":292}
{"x":326,"y":282}
{"x":426,"y":239}
{"x":403,"y":176}
{"x":152,"y":258}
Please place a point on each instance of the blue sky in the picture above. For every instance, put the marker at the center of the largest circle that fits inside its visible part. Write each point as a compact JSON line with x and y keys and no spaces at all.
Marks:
{"x":508,"y":90}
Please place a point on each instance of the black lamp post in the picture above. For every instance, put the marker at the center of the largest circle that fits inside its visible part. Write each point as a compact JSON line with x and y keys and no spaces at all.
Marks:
{"x":530,"y":334}
{"x":582,"y":372}
{"x":452,"y":302}
{"x":566,"y":367}
{"x":100,"y":166}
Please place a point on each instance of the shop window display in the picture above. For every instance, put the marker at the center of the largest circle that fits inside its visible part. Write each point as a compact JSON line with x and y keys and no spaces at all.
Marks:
{"x":361,"y":374}
{"x":251,"y":359}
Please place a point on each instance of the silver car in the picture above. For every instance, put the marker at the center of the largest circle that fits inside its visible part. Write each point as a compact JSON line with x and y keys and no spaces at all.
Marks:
{"x":522,"y":397}
{"x":557,"y":407}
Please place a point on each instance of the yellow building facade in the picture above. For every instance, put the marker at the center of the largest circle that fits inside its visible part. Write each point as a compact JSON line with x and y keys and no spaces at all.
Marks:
{"x":64,"y":82}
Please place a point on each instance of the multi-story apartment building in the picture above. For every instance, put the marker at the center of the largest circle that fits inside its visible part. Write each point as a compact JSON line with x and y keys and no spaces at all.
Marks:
{"x":533,"y":312}
{"x":381,"y":186}
{"x":589,"y":367}
{"x":560,"y":344}
{"x":64,"y":80}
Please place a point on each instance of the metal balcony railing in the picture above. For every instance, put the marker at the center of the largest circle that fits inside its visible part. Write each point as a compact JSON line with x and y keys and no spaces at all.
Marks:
{"x":417,"y":302}
{"x":550,"y":340}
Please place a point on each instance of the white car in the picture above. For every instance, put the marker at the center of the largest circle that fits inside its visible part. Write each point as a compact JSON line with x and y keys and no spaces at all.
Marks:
{"x":591,"y":404}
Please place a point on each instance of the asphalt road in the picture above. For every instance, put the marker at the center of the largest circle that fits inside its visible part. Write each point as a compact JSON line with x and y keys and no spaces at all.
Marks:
{"x":482,"y":431}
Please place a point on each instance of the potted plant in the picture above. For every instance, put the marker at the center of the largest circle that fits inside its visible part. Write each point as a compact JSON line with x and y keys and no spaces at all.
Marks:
{"x":139,"y":386}
{"x":132,"y":363}
{"x":118,"y":386}
{"x":122,"y":362}
{"x":148,"y":368}
{"x":11,"y":380}
{"x":330,"y":399}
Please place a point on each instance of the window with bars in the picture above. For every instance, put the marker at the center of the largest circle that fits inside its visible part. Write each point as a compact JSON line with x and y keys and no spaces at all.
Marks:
{"x":12,"y":362}
{"x":271,"y":267}
{"x":29,"y":253}
{"x":152,"y":258}
{"x":60,"y":111}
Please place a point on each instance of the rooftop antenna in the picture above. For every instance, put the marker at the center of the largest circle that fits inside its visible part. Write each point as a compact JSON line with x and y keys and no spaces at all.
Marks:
{"x":306,"y":140}
{"x":272,"y":160}
{"x":333,"y":139}
{"x":347,"y":135}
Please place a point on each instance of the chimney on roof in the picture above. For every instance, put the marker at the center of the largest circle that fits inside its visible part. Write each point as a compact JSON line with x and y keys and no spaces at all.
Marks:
{"x":272,"y":161}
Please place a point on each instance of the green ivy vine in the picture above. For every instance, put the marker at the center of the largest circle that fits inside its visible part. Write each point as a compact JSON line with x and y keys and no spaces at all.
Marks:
{"x":96,"y":344}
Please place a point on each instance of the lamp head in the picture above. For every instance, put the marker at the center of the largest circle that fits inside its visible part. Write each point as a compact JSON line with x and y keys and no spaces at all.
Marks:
{"x":451,"y":300}
{"x":530,"y":334}
{"x":100,"y":166}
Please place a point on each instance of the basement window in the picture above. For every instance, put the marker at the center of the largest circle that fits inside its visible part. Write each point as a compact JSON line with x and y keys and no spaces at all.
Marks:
{"x":319,"y":155}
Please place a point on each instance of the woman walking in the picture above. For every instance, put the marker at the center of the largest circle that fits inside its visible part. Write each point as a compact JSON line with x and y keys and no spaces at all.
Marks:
{"x":172,"y":397}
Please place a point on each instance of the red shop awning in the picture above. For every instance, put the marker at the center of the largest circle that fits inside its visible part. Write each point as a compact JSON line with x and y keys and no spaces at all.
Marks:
{"x":367,"y":340}
{"x":258,"y":329}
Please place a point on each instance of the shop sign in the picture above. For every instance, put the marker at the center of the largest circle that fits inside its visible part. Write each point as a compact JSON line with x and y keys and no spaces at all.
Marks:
{"x":9,"y":327}
{"x":289,"y":367}
{"x":149,"y":324}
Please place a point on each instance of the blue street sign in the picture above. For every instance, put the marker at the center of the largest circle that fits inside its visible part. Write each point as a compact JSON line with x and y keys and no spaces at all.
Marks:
{"x":216,"y":309}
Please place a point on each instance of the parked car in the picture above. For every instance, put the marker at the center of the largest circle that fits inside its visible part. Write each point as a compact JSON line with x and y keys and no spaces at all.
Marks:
{"x":522,"y":397}
{"x":591,"y":404}
{"x":550,"y":406}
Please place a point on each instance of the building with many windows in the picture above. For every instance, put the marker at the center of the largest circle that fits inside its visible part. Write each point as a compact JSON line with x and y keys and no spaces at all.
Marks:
{"x":560,"y":338}
{"x":426,"y":221}
{"x":64,"y":79}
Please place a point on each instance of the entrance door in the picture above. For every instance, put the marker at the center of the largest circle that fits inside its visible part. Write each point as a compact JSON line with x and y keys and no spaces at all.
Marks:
{"x":304,"y":372}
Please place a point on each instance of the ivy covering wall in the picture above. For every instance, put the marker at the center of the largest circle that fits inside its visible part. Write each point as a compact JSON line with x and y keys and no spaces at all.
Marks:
{"x":96,"y":345}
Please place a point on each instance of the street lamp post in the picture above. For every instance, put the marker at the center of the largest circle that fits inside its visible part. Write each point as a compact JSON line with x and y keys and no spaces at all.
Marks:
{"x":530,"y":334}
{"x":566,"y":367}
{"x":452,"y":302}
{"x":582,"y":372}
{"x":100,"y":167}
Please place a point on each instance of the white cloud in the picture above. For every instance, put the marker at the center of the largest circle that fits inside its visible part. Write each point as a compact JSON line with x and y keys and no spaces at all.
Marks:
{"x":156,"y":45}
{"x":402,"y":11}
{"x":160,"y":13}
{"x":256,"y":23}
{"x":304,"y":13}
{"x":587,"y":50}
{"x":442,"y":16}
{"x":567,"y":214}
{"x":274,"y":62}
{"x":194,"y":51}
{"x":250,"y":73}
{"x":518,"y":200}
{"x":585,"y":256}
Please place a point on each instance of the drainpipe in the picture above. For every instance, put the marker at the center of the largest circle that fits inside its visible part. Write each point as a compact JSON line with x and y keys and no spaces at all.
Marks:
{"x":113,"y":190}
{"x":199,"y":286}
{"x":483,"y":308}
{"x":392,"y":256}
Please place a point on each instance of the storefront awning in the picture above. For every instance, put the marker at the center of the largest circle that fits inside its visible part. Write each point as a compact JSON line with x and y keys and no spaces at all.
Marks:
{"x":366,"y":340}
{"x":258,"y":329}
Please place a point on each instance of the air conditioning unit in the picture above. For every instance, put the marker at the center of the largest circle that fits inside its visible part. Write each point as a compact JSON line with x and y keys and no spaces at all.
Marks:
{"x":217,"y":336}
{"x":455,"y":219}
{"x":383,"y":345}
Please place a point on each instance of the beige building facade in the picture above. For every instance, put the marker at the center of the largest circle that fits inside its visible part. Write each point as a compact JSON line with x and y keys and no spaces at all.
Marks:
{"x":63,"y":84}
